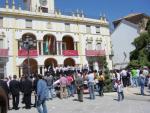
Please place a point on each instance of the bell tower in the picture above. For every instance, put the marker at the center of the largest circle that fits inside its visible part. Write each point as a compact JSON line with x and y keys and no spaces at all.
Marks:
{"x":45,"y":6}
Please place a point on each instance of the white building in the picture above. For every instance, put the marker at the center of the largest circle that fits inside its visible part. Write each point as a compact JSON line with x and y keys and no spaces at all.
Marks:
{"x":126,"y":30}
{"x":59,"y":40}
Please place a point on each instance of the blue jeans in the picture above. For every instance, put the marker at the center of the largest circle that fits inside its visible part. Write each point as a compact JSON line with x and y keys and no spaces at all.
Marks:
{"x":41,"y":106}
{"x":91,"y":90}
{"x":134,"y":81}
{"x":70,"y":90}
{"x":120,"y":96}
{"x":50,"y":92}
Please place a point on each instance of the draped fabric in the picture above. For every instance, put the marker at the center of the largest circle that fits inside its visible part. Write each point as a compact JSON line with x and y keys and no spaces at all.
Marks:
{"x":49,"y":45}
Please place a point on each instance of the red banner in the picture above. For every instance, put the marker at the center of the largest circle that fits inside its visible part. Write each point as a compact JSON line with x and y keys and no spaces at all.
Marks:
{"x":24,"y":52}
{"x":95,"y":52}
{"x":3,"y":52}
{"x":70,"y":52}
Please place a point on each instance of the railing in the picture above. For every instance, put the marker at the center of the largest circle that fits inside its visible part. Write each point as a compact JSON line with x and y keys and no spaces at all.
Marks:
{"x":70,"y":52}
{"x":3,"y":52}
{"x":23,"y":52}
{"x":95,"y":52}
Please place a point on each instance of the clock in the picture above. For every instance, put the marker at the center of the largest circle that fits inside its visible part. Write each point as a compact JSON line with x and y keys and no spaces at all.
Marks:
{"x":43,"y":2}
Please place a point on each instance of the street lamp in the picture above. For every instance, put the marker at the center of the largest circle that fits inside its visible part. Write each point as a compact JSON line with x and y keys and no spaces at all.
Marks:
{"x":28,"y":44}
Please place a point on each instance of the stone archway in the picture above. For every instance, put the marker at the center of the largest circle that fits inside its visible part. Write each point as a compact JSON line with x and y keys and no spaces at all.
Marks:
{"x":67,"y":43}
{"x":69,"y":62}
{"x":33,"y":66}
{"x":50,"y":62}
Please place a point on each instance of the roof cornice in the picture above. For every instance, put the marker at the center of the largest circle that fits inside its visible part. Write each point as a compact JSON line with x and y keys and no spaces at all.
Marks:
{"x":39,"y":15}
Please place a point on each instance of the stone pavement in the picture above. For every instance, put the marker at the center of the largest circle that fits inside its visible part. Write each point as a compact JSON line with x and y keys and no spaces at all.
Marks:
{"x":133,"y":103}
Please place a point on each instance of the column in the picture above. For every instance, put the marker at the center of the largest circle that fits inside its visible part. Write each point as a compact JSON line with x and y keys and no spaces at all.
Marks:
{"x":38,"y":47}
{"x":43,"y":70}
{"x":61,"y":47}
{"x":57,"y":49}
{"x":38,"y":69}
{"x":42,"y":48}
{"x":74,"y":45}
{"x":21,"y":71}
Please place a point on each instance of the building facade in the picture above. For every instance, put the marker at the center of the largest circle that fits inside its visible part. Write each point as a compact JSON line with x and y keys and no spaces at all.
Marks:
{"x":57,"y":39}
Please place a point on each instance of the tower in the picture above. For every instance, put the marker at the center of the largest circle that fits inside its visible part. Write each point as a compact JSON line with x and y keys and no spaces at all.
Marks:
{"x":45,"y":6}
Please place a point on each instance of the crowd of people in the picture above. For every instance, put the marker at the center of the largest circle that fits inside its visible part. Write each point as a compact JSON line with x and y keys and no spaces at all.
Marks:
{"x":68,"y":82}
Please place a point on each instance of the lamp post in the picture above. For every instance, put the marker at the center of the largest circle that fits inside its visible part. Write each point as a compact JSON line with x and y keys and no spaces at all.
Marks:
{"x":28,"y":44}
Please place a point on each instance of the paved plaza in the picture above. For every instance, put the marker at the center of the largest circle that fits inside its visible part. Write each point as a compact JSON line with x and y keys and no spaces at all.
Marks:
{"x":133,"y":103}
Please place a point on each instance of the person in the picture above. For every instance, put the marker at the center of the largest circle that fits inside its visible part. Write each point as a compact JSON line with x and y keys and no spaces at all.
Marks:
{"x":70,"y":86}
{"x":14,"y":87}
{"x":123,"y":74}
{"x":120,"y":92}
{"x":90,"y":77}
{"x":142,"y":82}
{"x":3,"y":101}
{"x":134,"y":77}
{"x":50,"y":80}
{"x":63,"y":86}
{"x":79,"y":85}
{"x":5,"y":87}
{"x":35,"y":81}
{"x":101,"y":83}
{"x":27,"y":90}
{"x":42,"y":95}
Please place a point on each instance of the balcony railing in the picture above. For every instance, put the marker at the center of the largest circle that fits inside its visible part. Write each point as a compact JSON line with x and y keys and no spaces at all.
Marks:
{"x":3,"y":52}
{"x":95,"y":52}
{"x":23,"y":52}
{"x":70,"y":52}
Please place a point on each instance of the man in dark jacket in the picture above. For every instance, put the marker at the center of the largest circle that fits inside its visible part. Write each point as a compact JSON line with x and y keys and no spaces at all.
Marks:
{"x":14,"y":87}
{"x":27,"y":90}
{"x":3,"y":101}
{"x":79,"y":84}
{"x":4,"y":86}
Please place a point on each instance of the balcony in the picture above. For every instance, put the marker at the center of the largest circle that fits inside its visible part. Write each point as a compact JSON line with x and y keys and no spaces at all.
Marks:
{"x":23,"y":52}
{"x":95,"y":52}
{"x":3,"y":52}
{"x":70,"y":52}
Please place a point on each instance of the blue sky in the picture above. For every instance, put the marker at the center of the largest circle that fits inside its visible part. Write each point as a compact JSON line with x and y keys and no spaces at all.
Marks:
{"x":113,"y":9}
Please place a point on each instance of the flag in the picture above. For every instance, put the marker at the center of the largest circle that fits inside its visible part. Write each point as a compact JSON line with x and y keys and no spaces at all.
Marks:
{"x":49,"y":43}
{"x":46,"y":46}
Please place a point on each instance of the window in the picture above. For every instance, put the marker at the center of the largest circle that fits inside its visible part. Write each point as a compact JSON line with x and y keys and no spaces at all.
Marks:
{"x":1,"y":43}
{"x":89,"y":46}
{"x":97,"y":29}
{"x":88,"y":29}
{"x":44,"y":10}
{"x":98,"y":46}
{"x":1,"y":22}
{"x":67,"y":26}
{"x":28,"y":23}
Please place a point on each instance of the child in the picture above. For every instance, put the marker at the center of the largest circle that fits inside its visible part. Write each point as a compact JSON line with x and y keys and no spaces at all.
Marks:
{"x":120,"y":90}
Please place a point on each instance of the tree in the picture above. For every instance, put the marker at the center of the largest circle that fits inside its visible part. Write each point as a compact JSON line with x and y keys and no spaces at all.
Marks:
{"x":107,"y":82}
{"x":140,"y":56}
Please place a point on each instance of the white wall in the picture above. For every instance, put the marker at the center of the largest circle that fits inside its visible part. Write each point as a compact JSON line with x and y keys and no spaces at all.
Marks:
{"x":122,"y":38}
